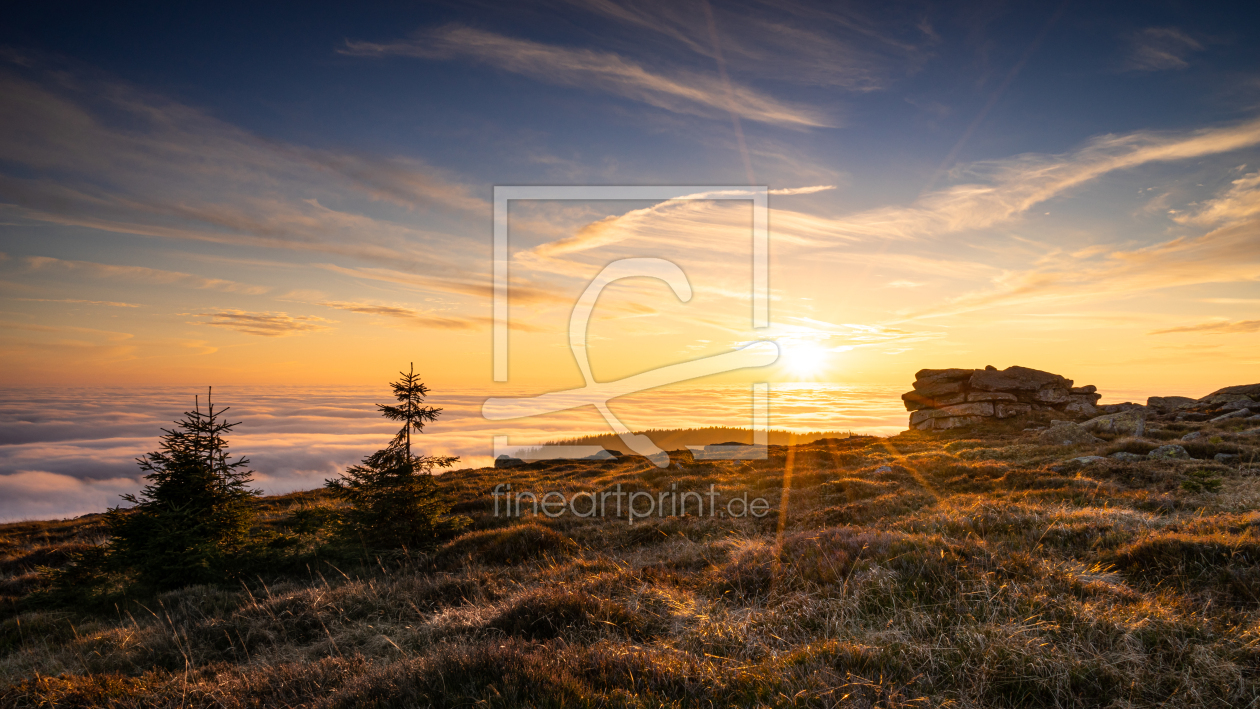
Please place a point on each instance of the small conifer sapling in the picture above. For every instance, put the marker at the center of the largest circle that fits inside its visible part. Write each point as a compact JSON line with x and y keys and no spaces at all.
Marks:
{"x":393,"y":499}
{"x":191,"y":522}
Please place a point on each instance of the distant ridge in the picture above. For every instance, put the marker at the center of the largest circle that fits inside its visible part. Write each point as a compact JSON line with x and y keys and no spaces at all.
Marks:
{"x":679,"y":438}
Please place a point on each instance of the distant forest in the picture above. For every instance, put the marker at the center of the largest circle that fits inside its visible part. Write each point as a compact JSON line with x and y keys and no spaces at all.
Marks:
{"x":670,"y":439}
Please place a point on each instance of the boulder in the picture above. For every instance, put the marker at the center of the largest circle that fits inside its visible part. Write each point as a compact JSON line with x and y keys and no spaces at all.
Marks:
{"x":1066,"y":434}
{"x":1236,"y":414}
{"x":1125,"y":455}
{"x":1125,"y":423}
{"x":1240,"y":404}
{"x":1192,"y":435}
{"x":1220,"y":399}
{"x":990,"y":396}
{"x":1087,"y":459}
{"x":915,"y":401}
{"x":941,"y":375}
{"x":506,"y":461}
{"x":1252,"y":390}
{"x":933,"y":389}
{"x":975,"y":408}
{"x":1126,"y":406}
{"x":1169,"y":452}
{"x":956,"y":422}
{"x":1053,"y":395}
{"x":1166,"y":404}
{"x":990,"y":393}
{"x":1017,"y":379}
{"x":1227,"y":458}
{"x":1080,"y":408}
{"x":920,"y":416}
{"x":1004,"y":410}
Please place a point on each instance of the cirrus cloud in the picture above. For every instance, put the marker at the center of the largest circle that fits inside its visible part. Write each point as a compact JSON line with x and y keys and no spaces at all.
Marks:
{"x":263,"y":324}
{"x":683,"y":92}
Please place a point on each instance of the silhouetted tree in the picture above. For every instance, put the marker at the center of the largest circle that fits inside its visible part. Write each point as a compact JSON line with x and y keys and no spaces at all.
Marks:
{"x":393,"y":498}
{"x":191,"y":522}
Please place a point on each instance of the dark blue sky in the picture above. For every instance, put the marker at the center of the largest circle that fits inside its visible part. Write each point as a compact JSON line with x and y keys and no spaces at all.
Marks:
{"x":925,"y":73}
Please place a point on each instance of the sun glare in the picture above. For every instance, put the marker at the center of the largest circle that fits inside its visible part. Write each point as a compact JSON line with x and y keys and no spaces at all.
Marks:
{"x":806,"y":359}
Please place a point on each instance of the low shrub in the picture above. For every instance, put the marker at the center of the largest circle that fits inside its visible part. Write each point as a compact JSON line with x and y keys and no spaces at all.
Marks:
{"x":749,"y":575}
{"x":1201,"y":481}
{"x":552,"y":612}
{"x":512,"y":545}
{"x":1229,"y":564}
{"x":48,"y":556}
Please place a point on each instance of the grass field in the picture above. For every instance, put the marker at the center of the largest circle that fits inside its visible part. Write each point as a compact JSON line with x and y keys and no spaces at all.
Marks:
{"x":919,"y":570}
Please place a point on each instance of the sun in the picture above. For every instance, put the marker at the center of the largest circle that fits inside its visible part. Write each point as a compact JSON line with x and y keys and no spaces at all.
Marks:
{"x":806,"y":359}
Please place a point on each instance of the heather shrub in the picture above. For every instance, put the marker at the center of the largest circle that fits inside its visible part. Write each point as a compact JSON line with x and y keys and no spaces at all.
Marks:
{"x":551,"y":613}
{"x":511,"y":545}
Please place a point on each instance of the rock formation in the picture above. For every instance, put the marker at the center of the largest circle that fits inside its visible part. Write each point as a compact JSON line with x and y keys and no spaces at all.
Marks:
{"x":948,"y":398}
{"x":1126,"y":423}
{"x":1242,"y":401}
{"x":1066,"y":433}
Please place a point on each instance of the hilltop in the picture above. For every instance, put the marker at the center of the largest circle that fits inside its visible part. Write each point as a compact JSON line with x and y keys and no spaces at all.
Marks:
{"x":961,"y":568}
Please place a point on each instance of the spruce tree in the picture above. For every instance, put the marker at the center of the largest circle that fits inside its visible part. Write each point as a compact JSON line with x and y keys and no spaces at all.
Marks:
{"x":190,"y":523}
{"x":393,"y":499}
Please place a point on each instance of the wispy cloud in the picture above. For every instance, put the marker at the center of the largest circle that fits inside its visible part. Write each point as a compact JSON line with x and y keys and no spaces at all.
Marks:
{"x":1230,"y":253}
{"x":837,"y":45}
{"x":847,"y":336}
{"x":422,"y":319}
{"x":1230,"y":301}
{"x":175,"y":172}
{"x":802,"y":190}
{"x":1225,"y":255}
{"x":694,"y":219}
{"x":1218,"y":327}
{"x":1013,"y":186}
{"x":85,"y":345}
{"x":1160,"y":49}
{"x":1007,"y":190}
{"x":1240,"y":201}
{"x":683,"y":92}
{"x":523,"y":294}
{"x":138,"y":274}
{"x":263,"y":324}
{"x":75,"y":300}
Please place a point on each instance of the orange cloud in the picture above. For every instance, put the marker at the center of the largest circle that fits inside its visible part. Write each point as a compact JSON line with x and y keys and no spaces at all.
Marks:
{"x":140,"y":274}
{"x":427,"y":320}
{"x":263,"y":324}
{"x":1224,"y":327}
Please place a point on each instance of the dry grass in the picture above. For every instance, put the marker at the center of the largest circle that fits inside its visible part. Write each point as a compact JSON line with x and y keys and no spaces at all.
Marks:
{"x":920,"y":570}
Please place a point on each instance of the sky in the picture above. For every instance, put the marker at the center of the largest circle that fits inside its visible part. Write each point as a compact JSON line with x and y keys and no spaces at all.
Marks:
{"x":301,"y":195}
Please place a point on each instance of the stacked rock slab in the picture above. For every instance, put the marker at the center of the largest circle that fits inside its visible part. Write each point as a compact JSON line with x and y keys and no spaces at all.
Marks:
{"x":1242,"y":401}
{"x":949,"y":398}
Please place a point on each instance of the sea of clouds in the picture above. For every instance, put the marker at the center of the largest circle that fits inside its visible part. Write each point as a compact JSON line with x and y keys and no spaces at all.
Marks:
{"x":67,"y":452}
